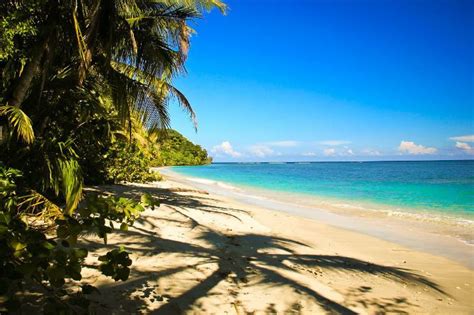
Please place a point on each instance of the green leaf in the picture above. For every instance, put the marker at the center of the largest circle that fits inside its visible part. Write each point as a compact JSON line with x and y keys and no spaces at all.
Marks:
{"x":122,"y":274}
{"x":62,"y":231}
{"x":71,"y":179}
{"x":81,"y":253}
{"x":5,"y":218}
{"x":19,"y":121}
{"x":3,"y":229}
{"x":74,"y":270}
{"x":72,"y":239}
{"x":146,"y":199}
{"x":49,"y":244}
{"x":107,"y":269}
{"x":17,"y":245}
{"x":124,"y":226}
{"x":56,"y":275}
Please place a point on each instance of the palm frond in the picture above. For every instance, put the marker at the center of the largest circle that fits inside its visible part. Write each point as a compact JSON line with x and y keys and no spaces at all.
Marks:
{"x":183,"y":101}
{"x":41,"y":206}
{"x":160,"y":34}
{"x":19,"y":121}
{"x":158,"y":91}
{"x":81,"y":42}
{"x":168,"y":13}
{"x":200,"y":5}
{"x":71,"y":179}
{"x":59,"y":171}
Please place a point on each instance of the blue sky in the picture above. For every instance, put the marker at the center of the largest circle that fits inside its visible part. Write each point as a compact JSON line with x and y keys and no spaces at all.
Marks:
{"x":332,"y":80}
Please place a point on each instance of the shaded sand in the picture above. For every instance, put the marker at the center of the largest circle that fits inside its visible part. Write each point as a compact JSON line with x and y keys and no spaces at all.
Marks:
{"x":200,"y":253}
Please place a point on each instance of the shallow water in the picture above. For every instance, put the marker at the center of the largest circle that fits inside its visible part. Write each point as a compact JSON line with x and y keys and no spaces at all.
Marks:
{"x":446,"y":233}
{"x":421,"y":187}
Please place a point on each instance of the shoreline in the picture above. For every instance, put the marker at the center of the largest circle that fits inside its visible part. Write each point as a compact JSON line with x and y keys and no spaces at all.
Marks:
{"x":203,"y":253}
{"x":447,"y":238}
{"x":425,"y":208}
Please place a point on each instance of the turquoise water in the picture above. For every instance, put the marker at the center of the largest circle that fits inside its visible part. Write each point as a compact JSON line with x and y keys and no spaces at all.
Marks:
{"x":441,"y":186}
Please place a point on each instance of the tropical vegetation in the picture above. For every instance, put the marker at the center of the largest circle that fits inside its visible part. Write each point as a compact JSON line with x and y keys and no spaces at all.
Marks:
{"x":175,"y":149}
{"x":85,"y":90}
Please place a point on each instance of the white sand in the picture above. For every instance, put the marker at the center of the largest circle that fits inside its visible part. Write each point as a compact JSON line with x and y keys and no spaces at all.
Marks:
{"x":200,"y":253}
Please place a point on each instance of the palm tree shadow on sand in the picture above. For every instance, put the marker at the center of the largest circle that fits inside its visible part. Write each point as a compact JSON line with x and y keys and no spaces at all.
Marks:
{"x":244,"y":259}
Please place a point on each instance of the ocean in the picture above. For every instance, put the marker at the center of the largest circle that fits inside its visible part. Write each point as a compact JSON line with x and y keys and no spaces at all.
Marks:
{"x":419,"y":187}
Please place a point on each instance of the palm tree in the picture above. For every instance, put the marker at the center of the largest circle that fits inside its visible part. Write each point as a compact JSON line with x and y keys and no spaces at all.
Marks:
{"x":82,"y":58}
{"x":74,"y":75}
{"x":139,"y":45}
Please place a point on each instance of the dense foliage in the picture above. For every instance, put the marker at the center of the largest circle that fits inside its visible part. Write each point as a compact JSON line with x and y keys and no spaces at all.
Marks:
{"x":175,"y":149}
{"x":128,"y":163}
{"x":85,"y":87}
{"x":28,"y":253}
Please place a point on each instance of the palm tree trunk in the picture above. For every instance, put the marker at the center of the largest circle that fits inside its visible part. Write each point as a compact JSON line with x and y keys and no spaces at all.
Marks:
{"x":24,"y":81}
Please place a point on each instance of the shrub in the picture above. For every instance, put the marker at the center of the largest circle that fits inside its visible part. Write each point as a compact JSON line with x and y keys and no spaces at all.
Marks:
{"x":29,"y":254}
{"x":127,"y":163}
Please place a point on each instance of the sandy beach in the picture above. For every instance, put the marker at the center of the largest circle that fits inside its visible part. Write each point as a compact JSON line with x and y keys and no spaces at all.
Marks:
{"x":236,"y":157}
{"x":201,"y":253}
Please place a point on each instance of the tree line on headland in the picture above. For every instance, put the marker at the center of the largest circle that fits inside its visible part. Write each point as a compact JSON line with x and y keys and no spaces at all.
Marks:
{"x":84,"y":97}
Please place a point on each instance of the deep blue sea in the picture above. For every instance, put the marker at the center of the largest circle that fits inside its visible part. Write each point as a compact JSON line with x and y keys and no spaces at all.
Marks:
{"x":440,"y":186}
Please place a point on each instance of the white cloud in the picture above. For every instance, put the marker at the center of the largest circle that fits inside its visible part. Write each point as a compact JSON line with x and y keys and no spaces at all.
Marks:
{"x":309,"y":154}
{"x":371,"y":152}
{"x":225,"y":148}
{"x":261,"y":150}
{"x":283,"y":143}
{"x":329,"y":152}
{"x":466,"y":138}
{"x":410,"y":147}
{"x":333,"y":142}
{"x":345,"y":151}
{"x":465,"y":147}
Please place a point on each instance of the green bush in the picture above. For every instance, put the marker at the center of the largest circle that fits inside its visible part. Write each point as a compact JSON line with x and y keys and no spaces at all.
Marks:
{"x":127,"y":163}
{"x":30,"y":255}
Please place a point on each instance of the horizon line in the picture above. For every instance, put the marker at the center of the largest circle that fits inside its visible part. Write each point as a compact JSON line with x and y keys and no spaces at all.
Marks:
{"x":337,"y":161}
